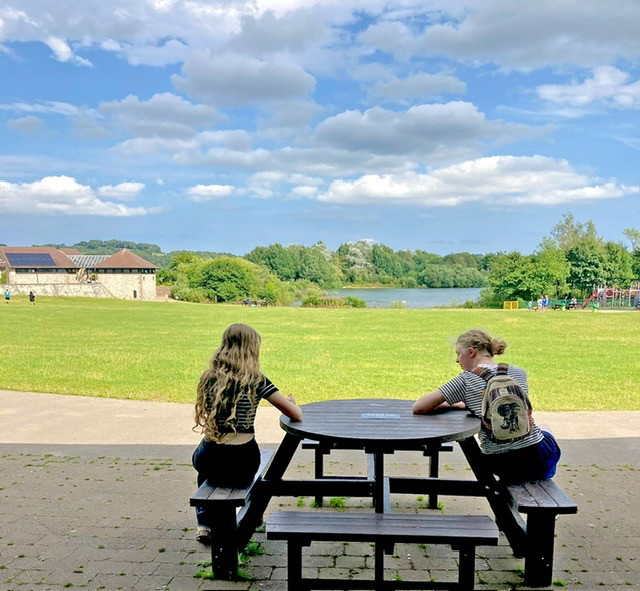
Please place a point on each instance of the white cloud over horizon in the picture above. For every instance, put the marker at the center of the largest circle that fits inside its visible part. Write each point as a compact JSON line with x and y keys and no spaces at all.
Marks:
{"x":201,"y":193}
{"x":61,"y":195}
{"x":496,"y":180}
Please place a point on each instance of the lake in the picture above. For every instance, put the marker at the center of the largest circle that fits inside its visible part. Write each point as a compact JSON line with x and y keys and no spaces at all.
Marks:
{"x":413,"y":298}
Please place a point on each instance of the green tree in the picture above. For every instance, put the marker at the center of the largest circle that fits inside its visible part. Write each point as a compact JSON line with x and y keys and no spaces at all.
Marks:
{"x":284,"y":262}
{"x":588,"y":262}
{"x":568,"y":232}
{"x":619,"y":265}
{"x":513,"y":276}
{"x":550,"y":270}
{"x":228,"y":279}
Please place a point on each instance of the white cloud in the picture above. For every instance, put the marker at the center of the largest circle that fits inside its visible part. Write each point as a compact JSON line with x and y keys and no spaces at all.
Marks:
{"x":417,"y":86}
{"x":122,"y":191}
{"x":608,"y":85}
{"x":237,"y":80}
{"x":435,"y":131}
{"x":64,"y":53}
{"x":61,"y":195}
{"x":201,"y":193}
{"x":524,"y":35}
{"x":164,"y":115}
{"x":28,"y":124}
{"x":500,"y":180}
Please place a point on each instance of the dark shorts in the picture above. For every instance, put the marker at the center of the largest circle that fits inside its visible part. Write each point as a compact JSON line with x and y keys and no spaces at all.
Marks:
{"x":536,"y":462}
{"x":226,"y":465}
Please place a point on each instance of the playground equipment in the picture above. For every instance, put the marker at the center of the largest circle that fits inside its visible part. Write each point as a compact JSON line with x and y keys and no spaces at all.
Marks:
{"x":615,"y":297}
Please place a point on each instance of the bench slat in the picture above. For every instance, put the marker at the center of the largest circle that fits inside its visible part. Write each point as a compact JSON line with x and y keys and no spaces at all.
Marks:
{"x":237,"y":496}
{"x":446,"y":529}
{"x":542,"y":495}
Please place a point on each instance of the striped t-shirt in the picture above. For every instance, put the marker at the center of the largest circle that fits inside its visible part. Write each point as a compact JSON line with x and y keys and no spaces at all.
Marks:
{"x":246,"y":411}
{"x":468,"y":387}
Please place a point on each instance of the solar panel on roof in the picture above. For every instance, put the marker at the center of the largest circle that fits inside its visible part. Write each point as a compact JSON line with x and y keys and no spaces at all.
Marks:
{"x":30,"y":259}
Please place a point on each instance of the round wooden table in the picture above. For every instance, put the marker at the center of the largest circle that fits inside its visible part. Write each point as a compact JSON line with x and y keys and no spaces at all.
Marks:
{"x":379,"y":424}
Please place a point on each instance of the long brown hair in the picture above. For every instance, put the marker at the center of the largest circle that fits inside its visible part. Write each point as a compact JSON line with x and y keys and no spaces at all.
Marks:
{"x":234,"y":372}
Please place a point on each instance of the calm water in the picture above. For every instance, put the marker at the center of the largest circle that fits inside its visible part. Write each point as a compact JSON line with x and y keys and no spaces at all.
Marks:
{"x":413,"y":298}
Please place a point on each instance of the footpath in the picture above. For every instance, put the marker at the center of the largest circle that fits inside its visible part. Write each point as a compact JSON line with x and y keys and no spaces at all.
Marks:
{"x":94,"y":495}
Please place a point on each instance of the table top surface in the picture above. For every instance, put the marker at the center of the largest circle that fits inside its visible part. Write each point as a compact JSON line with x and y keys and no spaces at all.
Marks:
{"x":381,"y":422}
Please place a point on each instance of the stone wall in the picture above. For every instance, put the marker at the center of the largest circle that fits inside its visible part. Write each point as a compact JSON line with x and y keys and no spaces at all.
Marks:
{"x":107,"y":285}
{"x":42,"y":278}
{"x":79,"y":290}
{"x":123,"y":285}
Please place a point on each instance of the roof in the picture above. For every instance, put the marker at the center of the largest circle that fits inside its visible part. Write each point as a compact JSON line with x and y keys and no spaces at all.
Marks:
{"x":125,"y":259}
{"x":88,"y":261}
{"x":68,"y":251}
{"x":55,"y":258}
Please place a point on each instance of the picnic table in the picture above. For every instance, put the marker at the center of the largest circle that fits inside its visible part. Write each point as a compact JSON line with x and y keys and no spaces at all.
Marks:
{"x":380,"y":427}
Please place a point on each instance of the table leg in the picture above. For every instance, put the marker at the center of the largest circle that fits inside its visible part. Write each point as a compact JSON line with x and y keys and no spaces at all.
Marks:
{"x":507,"y":517}
{"x":378,"y":485}
{"x":264,"y":489}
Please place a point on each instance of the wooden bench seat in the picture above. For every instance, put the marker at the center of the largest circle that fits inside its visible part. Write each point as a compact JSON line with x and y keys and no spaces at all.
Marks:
{"x":541,"y":502}
{"x":228,"y":531}
{"x":462,"y":532}
{"x":322,"y":448}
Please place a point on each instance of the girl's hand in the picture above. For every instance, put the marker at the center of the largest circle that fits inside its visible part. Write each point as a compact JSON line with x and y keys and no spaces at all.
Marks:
{"x":291,"y":398}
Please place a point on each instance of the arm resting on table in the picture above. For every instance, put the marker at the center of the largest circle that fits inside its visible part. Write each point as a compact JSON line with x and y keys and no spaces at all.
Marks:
{"x":433,"y":401}
{"x":286,"y":405}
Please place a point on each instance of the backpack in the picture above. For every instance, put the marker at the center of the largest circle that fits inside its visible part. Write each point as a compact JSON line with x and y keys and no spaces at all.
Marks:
{"x":506,"y":409}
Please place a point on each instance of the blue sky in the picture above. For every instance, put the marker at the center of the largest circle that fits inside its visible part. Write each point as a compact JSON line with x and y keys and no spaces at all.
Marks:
{"x":437,"y":125}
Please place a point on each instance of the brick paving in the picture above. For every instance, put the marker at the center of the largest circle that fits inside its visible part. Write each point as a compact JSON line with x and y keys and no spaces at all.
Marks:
{"x":72,"y":521}
{"x":117,"y":517}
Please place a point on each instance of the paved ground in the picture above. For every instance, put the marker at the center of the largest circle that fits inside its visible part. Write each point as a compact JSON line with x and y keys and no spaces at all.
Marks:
{"x":94,"y":495}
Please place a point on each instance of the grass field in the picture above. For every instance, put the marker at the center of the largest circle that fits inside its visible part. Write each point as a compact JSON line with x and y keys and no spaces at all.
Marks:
{"x":576,"y":360}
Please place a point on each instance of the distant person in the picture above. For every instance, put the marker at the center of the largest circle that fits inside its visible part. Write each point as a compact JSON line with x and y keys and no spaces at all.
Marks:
{"x":32,"y":298}
{"x":540,"y":304}
{"x":530,"y":305}
{"x":545,"y":303}
{"x":517,"y":450}
{"x":7,"y":296}
{"x":574,"y":302}
{"x":228,"y":396}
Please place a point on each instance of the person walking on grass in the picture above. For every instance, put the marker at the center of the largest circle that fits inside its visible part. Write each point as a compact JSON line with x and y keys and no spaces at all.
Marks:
{"x":516,"y":449}
{"x":228,"y":395}
{"x":32,"y":298}
{"x":7,"y":296}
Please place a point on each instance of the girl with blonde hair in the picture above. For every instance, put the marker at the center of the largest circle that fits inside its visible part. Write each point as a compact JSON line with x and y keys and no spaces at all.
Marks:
{"x":228,"y":396}
{"x":528,"y":457}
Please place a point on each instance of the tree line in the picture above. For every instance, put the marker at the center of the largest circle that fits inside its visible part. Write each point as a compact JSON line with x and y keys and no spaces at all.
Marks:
{"x":569,"y":262}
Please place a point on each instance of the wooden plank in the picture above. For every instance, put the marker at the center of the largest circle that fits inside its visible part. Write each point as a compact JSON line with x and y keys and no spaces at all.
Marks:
{"x":543,"y":495}
{"x":478,"y":529}
{"x":236,"y":496}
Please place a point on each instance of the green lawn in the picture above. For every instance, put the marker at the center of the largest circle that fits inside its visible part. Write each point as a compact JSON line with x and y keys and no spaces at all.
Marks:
{"x":577,"y":360}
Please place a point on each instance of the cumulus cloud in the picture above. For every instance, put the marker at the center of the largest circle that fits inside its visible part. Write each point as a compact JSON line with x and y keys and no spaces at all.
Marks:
{"x":433,"y":130}
{"x":417,"y":86}
{"x":60,"y":195}
{"x":608,"y":85}
{"x":503,"y":180}
{"x":164,"y":115}
{"x":527,"y":36}
{"x":122,"y":191}
{"x":28,"y":124}
{"x":236,"y":80}
{"x":201,"y":193}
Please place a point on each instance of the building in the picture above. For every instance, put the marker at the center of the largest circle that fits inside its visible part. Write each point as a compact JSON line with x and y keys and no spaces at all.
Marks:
{"x":51,"y":271}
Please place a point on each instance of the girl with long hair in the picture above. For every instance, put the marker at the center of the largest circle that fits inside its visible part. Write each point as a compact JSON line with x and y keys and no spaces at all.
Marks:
{"x":534,"y":453}
{"x":228,"y":395}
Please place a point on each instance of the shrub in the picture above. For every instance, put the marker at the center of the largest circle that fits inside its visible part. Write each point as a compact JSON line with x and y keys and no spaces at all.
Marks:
{"x":353,"y":302}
